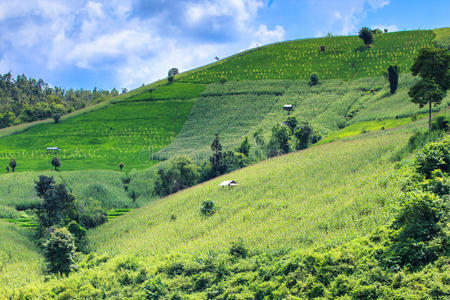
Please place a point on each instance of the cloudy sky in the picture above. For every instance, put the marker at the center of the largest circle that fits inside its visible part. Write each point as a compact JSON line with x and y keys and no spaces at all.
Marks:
{"x":125,"y":43}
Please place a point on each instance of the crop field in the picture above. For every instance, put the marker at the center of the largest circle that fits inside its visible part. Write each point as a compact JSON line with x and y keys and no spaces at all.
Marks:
{"x":20,"y":261}
{"x":17,"y":190}
{"x":238,"y":109}
{"x":344,"y":58}
{"x":319,"y":197}
{"x":172,"y":91}
{"x":121,"y":132}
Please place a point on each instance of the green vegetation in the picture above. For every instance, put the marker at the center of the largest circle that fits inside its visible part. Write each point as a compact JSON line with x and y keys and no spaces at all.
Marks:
{"x":298,"y":59}
{"x":20,"y":261}
{"x":101,"y":139}
{"x":173,"y":91}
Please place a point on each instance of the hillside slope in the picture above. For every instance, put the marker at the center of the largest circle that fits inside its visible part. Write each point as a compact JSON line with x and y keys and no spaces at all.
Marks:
{"x":318,"y":197}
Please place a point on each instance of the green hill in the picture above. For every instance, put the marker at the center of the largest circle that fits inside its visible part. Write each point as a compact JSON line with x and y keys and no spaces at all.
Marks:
{"x":313,"y":200}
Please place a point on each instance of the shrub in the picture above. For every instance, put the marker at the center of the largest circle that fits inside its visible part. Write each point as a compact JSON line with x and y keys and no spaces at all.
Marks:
{"x":13,"y":164}
{"x":56,"y":163}
{"x":366,"y":35}
{"x":440,"y":123}
{"x":43,"y":185}
{"x":208,"y":208}
{"x":433,"y":156}
{"x":223,"y":79}
{"x":238,"y":249}
{"x":79,"y":234}
{"x":244,"y":148}
{"x":90,"y":213}
{"x":393,"y":78}
{"x":59,"y":251}
{"x":279,"y":141}
{"x":314,"y":80}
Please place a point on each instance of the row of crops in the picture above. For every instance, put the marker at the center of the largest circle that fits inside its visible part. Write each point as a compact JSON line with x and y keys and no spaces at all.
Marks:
{"x":344,"y":57}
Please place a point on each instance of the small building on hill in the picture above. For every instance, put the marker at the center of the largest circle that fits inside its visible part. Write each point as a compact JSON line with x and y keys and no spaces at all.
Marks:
{"x":53,"y":149}
{"x":288,"y":107}
{"x":229,"y":183}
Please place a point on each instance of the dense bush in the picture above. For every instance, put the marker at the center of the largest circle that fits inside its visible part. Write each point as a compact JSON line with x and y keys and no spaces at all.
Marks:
{"x":434,"y":156}
{"x":59,"y":251}
{"x":208,"y":208}
{"x":179,"y":174}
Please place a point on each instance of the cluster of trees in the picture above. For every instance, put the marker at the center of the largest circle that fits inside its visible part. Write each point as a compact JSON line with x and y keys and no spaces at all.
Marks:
{"x":63,"y":223}
{"x":25,"y":99}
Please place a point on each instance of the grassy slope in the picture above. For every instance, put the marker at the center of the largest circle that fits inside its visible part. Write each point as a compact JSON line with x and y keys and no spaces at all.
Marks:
{"x":20,"y":261}
{"x":344,"y":58}
{"x":238,"y":109}
{"x":322,"y":196}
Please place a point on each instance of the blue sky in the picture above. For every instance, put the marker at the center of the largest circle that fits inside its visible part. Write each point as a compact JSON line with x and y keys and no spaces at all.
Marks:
{"x":125,"y":43}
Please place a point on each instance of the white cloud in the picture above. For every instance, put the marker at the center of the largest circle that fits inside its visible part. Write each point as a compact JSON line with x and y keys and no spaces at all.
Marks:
{"x":131,"y":45}
{"x":344,"y":15}
{"x":265,"y":36}
{"x":390,"y":28}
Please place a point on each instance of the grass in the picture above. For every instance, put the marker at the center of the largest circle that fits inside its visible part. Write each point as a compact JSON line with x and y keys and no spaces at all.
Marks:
{"x":171,"y":91}
{"x":120,"y":132}
{"x":344,"y":58}
{"x":442,"y":38}
{"x":367,"y":126}
{"x":238,"y":109}
{"x":319,"y":197}
{"x":20,"y":261}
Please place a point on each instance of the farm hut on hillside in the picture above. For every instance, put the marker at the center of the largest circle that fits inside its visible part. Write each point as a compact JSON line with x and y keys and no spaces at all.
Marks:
{"x":288,"y":107}
{"x":53,"y":149}
{"x":229,"y":183}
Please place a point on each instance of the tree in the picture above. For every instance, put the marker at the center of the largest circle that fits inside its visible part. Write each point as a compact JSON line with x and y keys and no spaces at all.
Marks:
{"x":56,"y":163}
{"x":244,"y":148}
{"x":432,"y":65}
{"x":314,"y":80}
{"x":366,"y":35}
{"x":181,"y":173}
{"x":216,"y":160}
{"x":59,"y":251}
{"x":121,"y":165}
{"x":279,"y":141}
{"x":58,"y":207}
{"x":79,"y":235}
{"x":291,"y":122}
{"x":393,"y":78}
{"x":305,"y":134}
{"x":43,"y":185}
{"x":13,"y":164}
{"x":426,"y":91}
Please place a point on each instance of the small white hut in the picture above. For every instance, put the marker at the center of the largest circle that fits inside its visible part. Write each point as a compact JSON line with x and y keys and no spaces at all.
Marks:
{"x":229,"y":183}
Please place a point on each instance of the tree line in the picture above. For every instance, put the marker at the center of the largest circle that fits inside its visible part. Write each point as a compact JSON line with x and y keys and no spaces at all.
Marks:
{"x":25,"y":100}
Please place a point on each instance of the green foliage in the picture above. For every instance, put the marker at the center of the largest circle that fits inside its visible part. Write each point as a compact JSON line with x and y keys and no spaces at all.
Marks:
{"x":56,"y":163}
{"x":305,"y":135}
{"x":59,"y":251}
{"x":441,"y":123}
{"x":90,"y":213}
{"x":314,"y":80}
{"x":208,"y":208}
{"x":57,"y":208}
{"x":279,"y":141}
{"x":292,"y":123}
{"x":434,"y":156}
{"x":179,"y":174}
{"x":393,"y":78}
{"x":170,"y":92}
{"x":217,"y":164}
{"x":26,"y":100}
{"x":43,"y":185}
{"x":79,"y":234}
{"x":123,"y":132}
{"x":366,"y":35}
{"x":238,"y":249}
{"x":299,"y":59}
{"x":13,"y":164}
{"x":433,"y":64}
{"x":244,"y":148}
